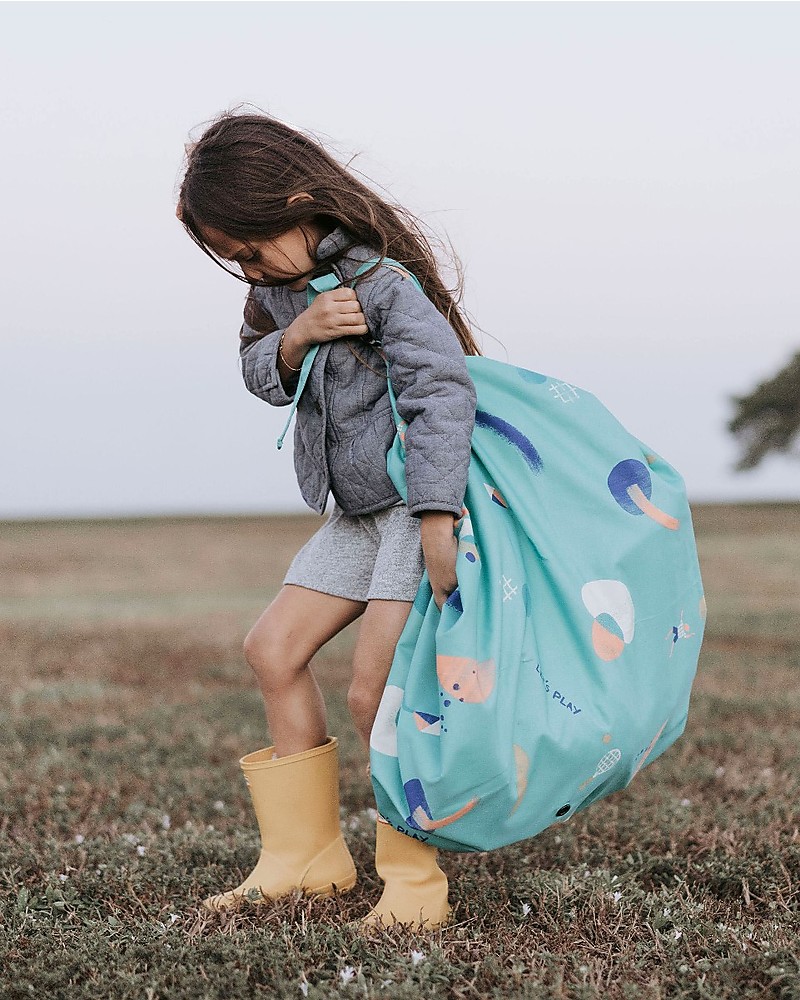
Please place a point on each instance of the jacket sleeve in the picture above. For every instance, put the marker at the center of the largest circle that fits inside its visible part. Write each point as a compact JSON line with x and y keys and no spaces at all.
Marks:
{"x":434,"y":392}
{"x":258,"y":355}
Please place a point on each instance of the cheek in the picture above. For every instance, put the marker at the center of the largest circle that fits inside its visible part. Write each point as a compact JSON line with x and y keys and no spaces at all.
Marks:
{"x":269,"y":258}
{"x":298,"y":253}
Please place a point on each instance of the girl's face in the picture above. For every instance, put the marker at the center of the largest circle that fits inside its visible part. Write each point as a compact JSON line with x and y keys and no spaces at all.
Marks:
{"x":268,"y":260}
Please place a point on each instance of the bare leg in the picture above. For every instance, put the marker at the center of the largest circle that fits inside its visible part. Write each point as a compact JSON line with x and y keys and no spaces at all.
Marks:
{"x":297,"y":623}
{"x":381,"y":627}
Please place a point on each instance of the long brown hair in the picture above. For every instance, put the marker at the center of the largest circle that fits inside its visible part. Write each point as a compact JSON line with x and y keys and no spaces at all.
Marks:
{"x":243,"y":168}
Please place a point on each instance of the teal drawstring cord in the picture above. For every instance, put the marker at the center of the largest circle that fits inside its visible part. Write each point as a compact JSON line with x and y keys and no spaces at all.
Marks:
{"x":313,"y":288}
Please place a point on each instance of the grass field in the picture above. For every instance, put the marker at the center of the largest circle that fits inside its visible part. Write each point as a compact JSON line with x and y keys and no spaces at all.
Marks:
{"x":128,"y":702}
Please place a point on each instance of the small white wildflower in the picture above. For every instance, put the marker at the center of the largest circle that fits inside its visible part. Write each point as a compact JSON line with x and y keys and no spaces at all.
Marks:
{"x":79,"y":838}
{"x":417,"y":956}
{"x":678,"y":933}
{"x":63,"y":877}
{"x":353,"y":823}
{"x":173,"y":917}
{"x":526,"y":909}
{"x":557,"y":840}
{"x":219,"y":805}
{"x":165,"y":821}
{"x":140,"y":850}
{"x":347,"y":973}
{"x":304,"y":987}
{"x":130,"y":838}
{"x":686,"y":802}
{"x":667,"y":911}
{"x":719,"y":772}
{"x":373,"y":815}
{"x":617,"y":896}
{"x":586,"y":873}
{"x":60,"y":788}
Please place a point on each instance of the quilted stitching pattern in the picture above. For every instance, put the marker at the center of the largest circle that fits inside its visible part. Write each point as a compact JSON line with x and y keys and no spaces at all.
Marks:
{"x":344,"y":426}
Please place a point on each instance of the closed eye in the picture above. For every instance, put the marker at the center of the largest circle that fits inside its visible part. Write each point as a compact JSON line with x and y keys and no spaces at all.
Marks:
{"x":239,"y":259}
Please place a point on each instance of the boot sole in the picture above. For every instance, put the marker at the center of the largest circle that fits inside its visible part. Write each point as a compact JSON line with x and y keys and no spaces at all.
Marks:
{"x":325,"y":891}
{"x":367,"y":926}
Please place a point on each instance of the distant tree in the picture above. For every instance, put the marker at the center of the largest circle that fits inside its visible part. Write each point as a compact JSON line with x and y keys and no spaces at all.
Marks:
{"x":768,"y":419}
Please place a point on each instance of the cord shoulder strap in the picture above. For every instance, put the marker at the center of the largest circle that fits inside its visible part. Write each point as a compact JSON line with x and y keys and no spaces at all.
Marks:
{"x":394,"y":265}
{"x":316,"y":285}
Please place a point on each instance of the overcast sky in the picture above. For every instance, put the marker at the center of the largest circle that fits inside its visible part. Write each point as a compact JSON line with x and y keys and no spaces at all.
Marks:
{"x":620,"y":181}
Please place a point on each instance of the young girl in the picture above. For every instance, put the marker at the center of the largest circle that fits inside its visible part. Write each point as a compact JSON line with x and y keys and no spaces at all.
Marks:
{"x":261,"y":197}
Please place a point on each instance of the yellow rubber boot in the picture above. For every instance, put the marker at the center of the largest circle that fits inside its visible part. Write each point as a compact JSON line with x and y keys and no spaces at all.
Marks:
{"x":296,"y":802}
{"x":415,"y":890}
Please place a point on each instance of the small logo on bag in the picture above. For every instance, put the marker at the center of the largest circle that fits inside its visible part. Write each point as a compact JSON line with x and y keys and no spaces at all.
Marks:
{"x":557,"y":695}
{"x":544,"y":679}
{"x":562,"y":700}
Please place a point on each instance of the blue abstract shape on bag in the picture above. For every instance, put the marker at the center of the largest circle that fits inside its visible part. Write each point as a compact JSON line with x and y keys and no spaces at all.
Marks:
{"x":421,"y":817}
{"x":631,"y":486}
{"x":503,"y":429}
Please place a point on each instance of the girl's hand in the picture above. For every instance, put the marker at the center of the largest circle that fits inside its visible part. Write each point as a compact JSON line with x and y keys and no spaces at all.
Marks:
{"x":440,"y":548}
{"x":333,"y":314}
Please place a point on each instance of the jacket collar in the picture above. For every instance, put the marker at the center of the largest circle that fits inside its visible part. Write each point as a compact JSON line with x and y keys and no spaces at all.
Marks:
{"x":333,"y":242}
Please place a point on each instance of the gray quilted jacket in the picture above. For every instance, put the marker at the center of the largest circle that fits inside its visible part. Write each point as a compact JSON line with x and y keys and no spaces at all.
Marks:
{"x":344,"y":424}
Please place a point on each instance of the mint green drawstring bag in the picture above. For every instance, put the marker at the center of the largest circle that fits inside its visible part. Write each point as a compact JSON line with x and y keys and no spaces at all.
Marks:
{"x":562,"y":664}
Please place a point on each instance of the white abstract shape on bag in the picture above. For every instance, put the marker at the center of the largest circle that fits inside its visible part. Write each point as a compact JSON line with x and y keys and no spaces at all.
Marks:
{"x":383,"y":737}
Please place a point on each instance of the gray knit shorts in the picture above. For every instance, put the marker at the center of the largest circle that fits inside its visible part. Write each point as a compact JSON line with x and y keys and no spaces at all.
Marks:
{"x":363,"y":556}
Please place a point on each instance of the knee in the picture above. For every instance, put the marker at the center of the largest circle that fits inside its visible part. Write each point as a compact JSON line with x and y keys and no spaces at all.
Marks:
{"x":271,"y":660}
{"x":362,"y":702}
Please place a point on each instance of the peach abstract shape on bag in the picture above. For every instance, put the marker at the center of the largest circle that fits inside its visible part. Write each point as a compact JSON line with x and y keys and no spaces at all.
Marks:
{"x":522,"y":764}
{"x":466,"y":679}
